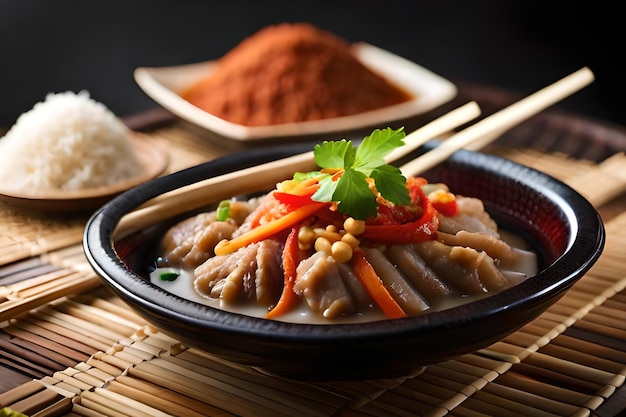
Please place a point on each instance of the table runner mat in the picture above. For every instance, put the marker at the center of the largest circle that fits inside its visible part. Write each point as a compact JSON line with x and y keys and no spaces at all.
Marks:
{"x":78,"y":350}
{"x":90,"y":355}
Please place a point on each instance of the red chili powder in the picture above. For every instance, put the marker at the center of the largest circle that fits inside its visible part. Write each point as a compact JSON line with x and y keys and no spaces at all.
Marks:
{"x":291,"y":73}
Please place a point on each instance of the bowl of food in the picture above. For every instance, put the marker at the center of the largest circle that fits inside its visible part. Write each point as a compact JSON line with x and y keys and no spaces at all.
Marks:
{"x":350,"y":270}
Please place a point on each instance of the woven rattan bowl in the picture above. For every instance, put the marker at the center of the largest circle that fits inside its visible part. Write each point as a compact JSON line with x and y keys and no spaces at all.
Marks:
{"x":562,"y":227}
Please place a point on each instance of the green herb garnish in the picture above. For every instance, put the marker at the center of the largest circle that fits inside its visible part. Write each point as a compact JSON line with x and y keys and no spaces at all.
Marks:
{"x":352,"y":190}
{"x":168,"y":276}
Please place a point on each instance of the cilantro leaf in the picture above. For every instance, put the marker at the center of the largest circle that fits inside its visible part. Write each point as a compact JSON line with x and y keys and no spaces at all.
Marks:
{"x":338,"y":154}
{"x":371,"y":152}
{"x":354,"y":195}
{"x":326,"y":191}
{"x":355,"y":165}
{"x":391,"y":184}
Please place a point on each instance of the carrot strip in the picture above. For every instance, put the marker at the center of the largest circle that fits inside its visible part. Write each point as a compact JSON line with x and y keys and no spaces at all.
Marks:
{"x":298,"y":195}
{"x":374,"y":286}
{"x":291,"y":259}
{"x":267,"y":230}
{"x":305,"y":187}
{"x":309,"y":189}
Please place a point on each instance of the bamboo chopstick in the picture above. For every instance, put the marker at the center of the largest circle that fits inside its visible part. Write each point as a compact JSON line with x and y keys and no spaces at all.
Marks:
{"x":487,"y":130}
{"x":446,"y":123}
{"x":268,"y":174}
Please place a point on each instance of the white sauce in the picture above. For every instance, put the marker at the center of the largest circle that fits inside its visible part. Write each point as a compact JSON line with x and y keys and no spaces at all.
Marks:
{"x":183,"y":287}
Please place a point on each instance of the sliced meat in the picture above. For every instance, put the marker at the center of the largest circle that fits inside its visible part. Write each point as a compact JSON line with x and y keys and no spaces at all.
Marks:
{"x":319,"y":283}
{"x":269,"y":273}
{"x":253,"y":273}
{"x":239,"y":284}
{"x":402,"y":292}
{"x":496,"y":248}
{"x":471,"y":217}
{"x":360,"y":296}
{"x":214,"y":274}
{"x":472,"y":260}
{"x":192,"y":241}
{"x":421,"y":276}
{"x":437,"y":257}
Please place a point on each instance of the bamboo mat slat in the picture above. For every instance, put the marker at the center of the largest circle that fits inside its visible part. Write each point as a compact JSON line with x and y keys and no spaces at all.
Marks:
{"x":89,"y":355}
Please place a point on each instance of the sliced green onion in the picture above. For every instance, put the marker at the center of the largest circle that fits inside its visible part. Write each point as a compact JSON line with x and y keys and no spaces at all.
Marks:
{"x":168,"y":276}
{"x":223,"y":211}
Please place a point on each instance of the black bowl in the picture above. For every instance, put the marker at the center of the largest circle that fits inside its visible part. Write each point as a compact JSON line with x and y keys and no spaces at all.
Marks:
{"x":561,"y":226}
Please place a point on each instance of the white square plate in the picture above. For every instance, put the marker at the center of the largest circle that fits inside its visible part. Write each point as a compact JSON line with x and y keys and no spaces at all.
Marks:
{"x":430,"y":90}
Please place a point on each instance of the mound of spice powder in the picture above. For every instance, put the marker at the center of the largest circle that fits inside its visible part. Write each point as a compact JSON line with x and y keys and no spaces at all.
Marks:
{"x":291,"y":72}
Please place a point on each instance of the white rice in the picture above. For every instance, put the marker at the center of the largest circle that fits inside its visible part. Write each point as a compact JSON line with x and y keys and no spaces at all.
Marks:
{"x":67,"y":142}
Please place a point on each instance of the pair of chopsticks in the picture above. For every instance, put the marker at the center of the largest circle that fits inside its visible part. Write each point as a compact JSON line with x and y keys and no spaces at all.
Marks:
{"x":265,"y":176}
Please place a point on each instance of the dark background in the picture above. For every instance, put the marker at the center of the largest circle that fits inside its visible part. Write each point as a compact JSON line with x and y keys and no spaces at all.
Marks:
{"x":53,"y":46}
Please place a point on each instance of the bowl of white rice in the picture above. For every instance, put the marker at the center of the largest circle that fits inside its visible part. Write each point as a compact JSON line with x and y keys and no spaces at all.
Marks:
{"x":70,"y":152}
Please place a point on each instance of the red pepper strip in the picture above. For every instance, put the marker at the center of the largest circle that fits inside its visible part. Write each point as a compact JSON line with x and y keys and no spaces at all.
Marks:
{"x":374,"y":286}
{"x":292,"y":255}
{"x":419,"y":230}
{"x":293,"y":200}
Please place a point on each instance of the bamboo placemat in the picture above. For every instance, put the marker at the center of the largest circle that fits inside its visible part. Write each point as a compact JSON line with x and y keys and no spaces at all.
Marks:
{"x":88,"y":354}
